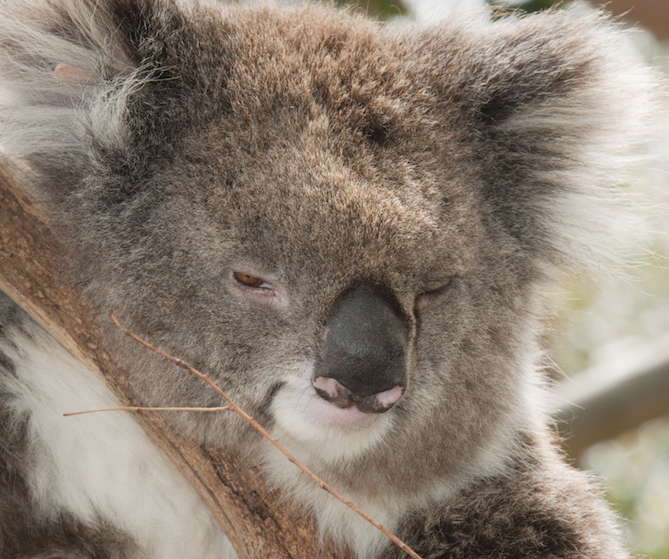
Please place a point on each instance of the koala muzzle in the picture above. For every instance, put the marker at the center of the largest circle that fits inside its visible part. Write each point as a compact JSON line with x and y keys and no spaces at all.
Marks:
{"x":363,"y":360}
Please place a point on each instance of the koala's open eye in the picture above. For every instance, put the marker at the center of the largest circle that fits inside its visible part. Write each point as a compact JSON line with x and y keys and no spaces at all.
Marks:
{"x":257,"y":288}
{"x":251,"y":281}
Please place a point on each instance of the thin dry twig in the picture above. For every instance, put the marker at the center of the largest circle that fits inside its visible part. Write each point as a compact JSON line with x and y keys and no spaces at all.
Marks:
{"x":140,"y":408}
{"x":234,"y":407}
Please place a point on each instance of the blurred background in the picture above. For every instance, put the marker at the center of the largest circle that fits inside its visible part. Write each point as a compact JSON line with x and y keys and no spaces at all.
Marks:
{"x":607,"y":338}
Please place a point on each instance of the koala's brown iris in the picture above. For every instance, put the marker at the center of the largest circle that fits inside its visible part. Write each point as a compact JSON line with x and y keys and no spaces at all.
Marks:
{"x":248,"y":281}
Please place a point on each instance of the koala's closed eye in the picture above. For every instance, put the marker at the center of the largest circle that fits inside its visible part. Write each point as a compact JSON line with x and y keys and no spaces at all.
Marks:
{"x":426,"y":297}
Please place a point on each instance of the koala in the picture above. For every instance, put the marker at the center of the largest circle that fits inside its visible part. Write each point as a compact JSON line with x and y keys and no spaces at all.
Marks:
{"x":350,"y":227}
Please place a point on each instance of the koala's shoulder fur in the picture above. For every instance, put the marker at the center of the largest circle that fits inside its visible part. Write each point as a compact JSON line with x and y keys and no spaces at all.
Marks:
{"x":440,"y":175}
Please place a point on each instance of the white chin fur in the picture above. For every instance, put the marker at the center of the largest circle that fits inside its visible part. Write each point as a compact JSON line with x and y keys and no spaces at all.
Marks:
{"x":333,"y":433}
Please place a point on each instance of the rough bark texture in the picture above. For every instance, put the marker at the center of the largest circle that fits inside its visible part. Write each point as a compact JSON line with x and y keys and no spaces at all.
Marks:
{"x":257,"y":522}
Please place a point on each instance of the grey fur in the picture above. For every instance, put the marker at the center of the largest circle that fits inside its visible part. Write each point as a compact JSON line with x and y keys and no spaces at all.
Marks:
{"x":456,"y":166}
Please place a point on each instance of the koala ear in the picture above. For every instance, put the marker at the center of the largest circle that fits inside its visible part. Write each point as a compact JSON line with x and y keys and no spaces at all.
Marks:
{"x":57,"y":59}
{"x":556,"y":108}
{"x":68,"y":70}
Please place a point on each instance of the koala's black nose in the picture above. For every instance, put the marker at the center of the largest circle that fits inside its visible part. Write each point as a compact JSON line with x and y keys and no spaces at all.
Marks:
{"x":364,"y":352}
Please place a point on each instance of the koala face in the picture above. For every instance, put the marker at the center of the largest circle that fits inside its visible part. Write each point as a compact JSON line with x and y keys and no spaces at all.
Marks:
{"x":327,"y":291}
{"x":346,"y":226}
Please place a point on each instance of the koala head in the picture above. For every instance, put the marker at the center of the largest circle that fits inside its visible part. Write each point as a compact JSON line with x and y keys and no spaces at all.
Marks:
{"x":346,"y":225}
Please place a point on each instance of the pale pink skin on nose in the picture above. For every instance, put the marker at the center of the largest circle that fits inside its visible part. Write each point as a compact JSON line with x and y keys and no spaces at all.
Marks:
{"x":389,"y":397}
{"x":338,"y":395}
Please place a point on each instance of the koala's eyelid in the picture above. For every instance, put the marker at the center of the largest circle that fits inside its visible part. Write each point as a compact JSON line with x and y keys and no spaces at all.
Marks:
{"x":437,"y":285}
{"x":425,"y":297}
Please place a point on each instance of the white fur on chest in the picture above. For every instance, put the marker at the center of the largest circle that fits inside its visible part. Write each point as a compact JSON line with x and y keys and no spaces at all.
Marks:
{"x":103,"y":464}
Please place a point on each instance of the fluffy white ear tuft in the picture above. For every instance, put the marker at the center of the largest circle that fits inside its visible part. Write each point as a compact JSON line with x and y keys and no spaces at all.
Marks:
{"x":561,"y":107}
{"x":60,"y":66}
{"x":581,"y":144}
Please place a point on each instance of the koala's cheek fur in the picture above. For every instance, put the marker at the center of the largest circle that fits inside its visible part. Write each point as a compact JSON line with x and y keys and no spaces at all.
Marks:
{"x":349,"y":227}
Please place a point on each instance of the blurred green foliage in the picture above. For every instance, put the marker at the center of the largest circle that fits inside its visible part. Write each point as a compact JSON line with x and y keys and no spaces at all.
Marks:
{"x":381,"y":9}
{"x":526,"y":6}
{"x":635,"y":472}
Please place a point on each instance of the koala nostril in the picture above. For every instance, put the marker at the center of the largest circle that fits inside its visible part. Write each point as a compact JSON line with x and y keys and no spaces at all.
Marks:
{"x":332,"y":391}
{"x":381,"y":402}
{"x":338,"y":395}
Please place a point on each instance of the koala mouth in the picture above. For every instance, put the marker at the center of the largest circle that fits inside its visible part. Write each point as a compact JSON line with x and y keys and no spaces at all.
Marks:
{"x":338,"y":395}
